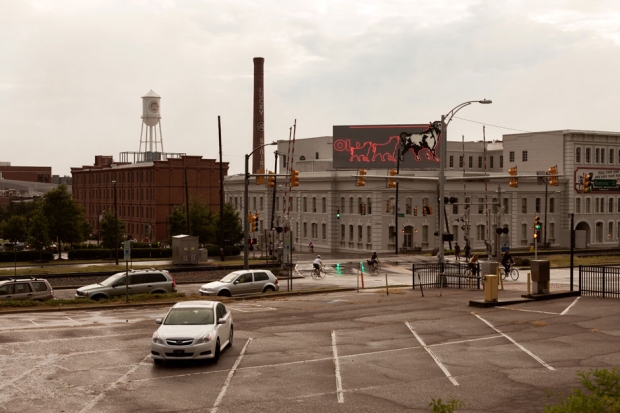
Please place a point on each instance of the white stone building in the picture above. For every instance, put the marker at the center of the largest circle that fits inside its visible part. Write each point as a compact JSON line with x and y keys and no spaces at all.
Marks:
{"x":367,"y":218}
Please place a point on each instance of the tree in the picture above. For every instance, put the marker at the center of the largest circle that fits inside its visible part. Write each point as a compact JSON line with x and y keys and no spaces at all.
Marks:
{"x":201,"y":221}
{"x":602,"y":393}
{"x":38,"y":231}
{"x":177,"y":222}
{"x":106,"y":229}
{"x":65,"y":216}
{"x":16,"y":229}
{"x":233,"y":230}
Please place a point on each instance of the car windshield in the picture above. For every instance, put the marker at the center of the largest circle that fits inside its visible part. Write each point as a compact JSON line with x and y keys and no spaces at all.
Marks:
{"x":112,"y":280}
{"x":189,"y":316}
{"x":230,"y":277}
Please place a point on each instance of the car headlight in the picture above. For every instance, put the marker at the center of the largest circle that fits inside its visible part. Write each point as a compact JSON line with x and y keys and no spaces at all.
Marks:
{"x":204,"y":339}
{"x":157,"y":339}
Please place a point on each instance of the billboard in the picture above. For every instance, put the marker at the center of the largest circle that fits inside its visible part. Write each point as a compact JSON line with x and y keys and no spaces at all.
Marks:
{"x":376,"y":146}
{"x":597,"y":180}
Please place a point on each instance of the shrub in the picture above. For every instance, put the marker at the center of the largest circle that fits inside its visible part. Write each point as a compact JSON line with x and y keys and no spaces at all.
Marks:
{"x":602,"y":394}
{"x":437,"y":406}
{"x":230,"y":250}
{"x":522,"y":262}
{"x":28,"y":255}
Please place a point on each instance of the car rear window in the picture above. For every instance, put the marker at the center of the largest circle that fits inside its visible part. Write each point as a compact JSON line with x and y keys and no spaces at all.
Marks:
{"x":156,"y":277}
{"x":21,"y":288}
{"x":39,"y":286}
{"x":6,"y":289}
{"x":261,"y":276}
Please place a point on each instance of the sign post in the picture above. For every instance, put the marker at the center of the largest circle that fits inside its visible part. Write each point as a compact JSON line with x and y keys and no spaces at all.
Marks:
{"x":127,"y":248}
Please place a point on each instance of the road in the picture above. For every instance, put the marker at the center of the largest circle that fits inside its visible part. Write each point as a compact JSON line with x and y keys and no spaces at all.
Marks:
{"x":342,"y":352}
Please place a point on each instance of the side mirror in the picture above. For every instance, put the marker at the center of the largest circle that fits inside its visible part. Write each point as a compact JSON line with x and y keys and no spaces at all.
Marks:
{"x":158,"y":321}
{"x":221,"y":321}
{"x":236,"y":282}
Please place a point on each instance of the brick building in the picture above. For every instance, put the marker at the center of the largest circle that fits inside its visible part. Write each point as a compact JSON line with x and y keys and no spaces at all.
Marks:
{"x":10,"y":190}
{"x":146,"y":192}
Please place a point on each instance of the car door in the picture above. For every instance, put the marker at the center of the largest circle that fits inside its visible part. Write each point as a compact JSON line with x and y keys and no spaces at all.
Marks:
{"x":223,"y":329}
{"x":243,"y":284}
{"x":6,"y":291}
{"x":139,"y":283}
{"x":260,"y":280}
{"x":23,"y":291}
{"x":119,"y":288}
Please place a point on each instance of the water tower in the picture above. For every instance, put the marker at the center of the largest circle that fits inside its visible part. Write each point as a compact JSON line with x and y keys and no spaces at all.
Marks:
{"x":151,"y":118}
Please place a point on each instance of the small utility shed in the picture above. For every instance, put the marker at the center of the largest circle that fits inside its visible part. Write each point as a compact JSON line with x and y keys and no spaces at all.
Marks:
{"x":185,"y":249}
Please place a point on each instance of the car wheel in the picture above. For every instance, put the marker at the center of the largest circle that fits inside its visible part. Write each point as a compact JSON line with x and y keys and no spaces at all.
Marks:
{"x":158,"y":292}
{"x":216,"y":355}
{"x":269,"y":289}
{"x":230,"y":336}
{"x":97,"y":297}
{"x":224,"y":293}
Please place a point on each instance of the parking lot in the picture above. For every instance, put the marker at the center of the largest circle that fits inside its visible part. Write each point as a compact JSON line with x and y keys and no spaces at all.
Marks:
{"x":349,"y":352}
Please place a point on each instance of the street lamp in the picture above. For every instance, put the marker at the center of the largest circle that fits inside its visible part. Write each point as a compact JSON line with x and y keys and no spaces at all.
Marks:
{"x":115,"y":223}
{"x":445,"y":120}
{"x":246,"y":210}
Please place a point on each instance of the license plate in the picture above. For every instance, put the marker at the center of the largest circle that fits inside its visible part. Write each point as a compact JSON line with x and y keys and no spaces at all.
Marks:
{"x":178,"y":352}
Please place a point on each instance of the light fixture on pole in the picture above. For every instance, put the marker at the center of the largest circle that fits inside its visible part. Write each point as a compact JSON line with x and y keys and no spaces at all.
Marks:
{"x":246,"y":210}
{"x":445,"y":120}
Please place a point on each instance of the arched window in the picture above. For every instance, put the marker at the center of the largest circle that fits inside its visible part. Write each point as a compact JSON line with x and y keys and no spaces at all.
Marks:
{"x":578,"y":155}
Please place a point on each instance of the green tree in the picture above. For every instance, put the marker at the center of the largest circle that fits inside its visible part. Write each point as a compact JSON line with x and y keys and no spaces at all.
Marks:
{"x":177,"y":222}
{"x":233,"y":230}
{"x":38,"y":231}
{"x":106,"y":229}
{"x":201,"y":221}
{"x":64,"y":216}
{"x":16,"y":229}
{"x":601,"y":395}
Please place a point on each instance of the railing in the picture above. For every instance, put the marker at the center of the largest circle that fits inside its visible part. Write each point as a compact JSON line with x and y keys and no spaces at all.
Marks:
{"x":599,"y":281}
{"x":445,"y":275}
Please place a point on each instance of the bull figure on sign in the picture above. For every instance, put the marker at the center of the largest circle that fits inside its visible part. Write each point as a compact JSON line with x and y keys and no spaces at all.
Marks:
{"x":418,"y":142}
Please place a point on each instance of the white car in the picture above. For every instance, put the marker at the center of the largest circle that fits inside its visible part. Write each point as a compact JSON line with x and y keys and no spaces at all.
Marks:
{"x":192,"y":330}
{"x":242,"y":282}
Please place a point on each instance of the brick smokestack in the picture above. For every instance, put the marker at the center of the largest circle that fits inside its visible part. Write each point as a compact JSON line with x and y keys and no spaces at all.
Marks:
{"x":258,"y":137}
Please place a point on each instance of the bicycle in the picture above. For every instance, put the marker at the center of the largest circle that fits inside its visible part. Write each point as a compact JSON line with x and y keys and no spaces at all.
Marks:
{"x":318,"y":273}
{"x":373,"y":267}
{"x":469,"y":273}
{"x":513,"y":272}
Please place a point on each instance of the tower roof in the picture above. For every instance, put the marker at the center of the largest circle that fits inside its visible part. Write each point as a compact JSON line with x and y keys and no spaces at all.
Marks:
{"x":151,"y":94}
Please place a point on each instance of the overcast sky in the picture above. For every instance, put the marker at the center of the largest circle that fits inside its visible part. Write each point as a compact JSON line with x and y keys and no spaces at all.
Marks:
{"x":72,"y":72}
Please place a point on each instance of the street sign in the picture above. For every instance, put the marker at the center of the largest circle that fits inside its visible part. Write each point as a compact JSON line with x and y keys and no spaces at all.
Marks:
{"x":127,"y":248}
{"x":401,"y":215}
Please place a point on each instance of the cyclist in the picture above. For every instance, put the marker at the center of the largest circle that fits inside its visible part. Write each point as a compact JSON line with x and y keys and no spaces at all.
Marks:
{"x":474,"y":265}
{"x":317,"y":264}
{"x":506,"y":261}
{"x":374,"y":260}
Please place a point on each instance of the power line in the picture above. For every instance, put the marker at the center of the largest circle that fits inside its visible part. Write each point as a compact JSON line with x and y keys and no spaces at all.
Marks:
{"x":495,"y":126}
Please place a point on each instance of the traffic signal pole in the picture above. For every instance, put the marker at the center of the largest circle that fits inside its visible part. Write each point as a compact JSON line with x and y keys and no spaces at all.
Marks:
{"x":545,"y":223}
{"x":396,"y":206}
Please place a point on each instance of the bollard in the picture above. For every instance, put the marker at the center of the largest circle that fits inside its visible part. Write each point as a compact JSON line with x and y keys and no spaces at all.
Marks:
{"x":501,"y":280}
{"x":387,"y":292}
{"x":358,"y":283}
{"x":362,"y":276}
{"x":529,"y":279}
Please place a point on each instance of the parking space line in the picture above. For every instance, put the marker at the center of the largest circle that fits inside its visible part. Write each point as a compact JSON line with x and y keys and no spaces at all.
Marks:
{"x":515,"y":343}
{"x":430,"y":352}
{"x":229,"y":378}
{"x":112,"y":386}
{"x":568,"y":308}
{"x":32,"y":322}
{"x":51,"y":340}
{"x":337,"y":366}
{"x":527,"y":311}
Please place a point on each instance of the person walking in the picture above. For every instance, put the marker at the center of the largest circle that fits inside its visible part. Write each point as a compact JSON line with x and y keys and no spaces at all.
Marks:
{"x":474,"y":265}
{"x":457,"y":251}
{"x":467,"y":251}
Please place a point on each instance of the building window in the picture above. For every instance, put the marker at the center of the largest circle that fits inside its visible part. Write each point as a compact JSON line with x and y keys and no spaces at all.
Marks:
{"x":425,"y":234}
{"x":342,"y":204}
{"x":369,"y":234}
{"x":315,"y":230}
{"x":261,"y":203}
{"x":481,"y":232}
{"x":524,"y":205}
{"x":316,"y":155}
{"x":368,"y":206}
{"x":588,"y":201}
{"x":391,"y":235}
{"x":305,"y":205}
{"x":480,"y":162}
{"x":501,"y":161}
{"x":551,"y":230}
{"x":551,"y":205}
{"x":618,"y":205}
{"x":305,"y":230}
{"x":408,"y":208}
{"x":359,"y":205}
{"x":342,"y":231}
{"x":610,"y":230}
{"x":602,"y":155}
{"x":324,"y":231}
{"x":578,"y":155}
{"x":480,"y":205}
{"x":491,"y":162}
{"x":323,"y":205}
{"x":471,"y":161}
{"x":587,"y":155}
{"x":314,"y":204}
{"x":611,"y":205}
{"x":451,"y":161}
{"x":611,"y":156}
{"x":602,"y":209}
{"x":460,"y":161}
{"x":524,"y":156}
{"x":524,"y":231}
{"x":578,"y":205}
{"x":350,"y":205}
{"x":351,"y":233}
{"x":360,"y":234}
{"x":506,"y":205}
{"x":596,"y":205}
{"x":597,"y":153}
{"x":537,"y":206}
{"x":512,"y":156}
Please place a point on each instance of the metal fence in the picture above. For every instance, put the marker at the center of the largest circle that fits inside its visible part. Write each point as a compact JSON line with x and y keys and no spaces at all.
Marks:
{"x":446,"y":275}
{"x":599,"y":281}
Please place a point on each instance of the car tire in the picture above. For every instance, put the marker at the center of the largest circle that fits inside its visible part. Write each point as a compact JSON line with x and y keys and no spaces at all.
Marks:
{"x":269,"y":289}
{"x":158,"y":292}
{"x":224,"y":293}
{"x":231,"y":336}
{"x":216,"y":355}
{"x":98,"y":297}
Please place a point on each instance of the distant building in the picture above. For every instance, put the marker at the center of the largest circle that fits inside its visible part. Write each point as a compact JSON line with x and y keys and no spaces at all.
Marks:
{"x":15,"y":182}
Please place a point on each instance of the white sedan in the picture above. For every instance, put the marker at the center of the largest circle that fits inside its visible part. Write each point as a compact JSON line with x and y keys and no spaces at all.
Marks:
{"x":193,"y":330}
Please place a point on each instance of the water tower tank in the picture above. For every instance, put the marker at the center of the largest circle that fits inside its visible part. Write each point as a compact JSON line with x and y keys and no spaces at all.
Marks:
{"x":151,"y":108}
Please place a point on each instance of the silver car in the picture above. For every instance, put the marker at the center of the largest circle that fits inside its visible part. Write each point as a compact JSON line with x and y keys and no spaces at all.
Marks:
{"x":26,"y":289}
{"x":192,"y":330}
{"x":242,"y":282}
{"x":140,"y":282}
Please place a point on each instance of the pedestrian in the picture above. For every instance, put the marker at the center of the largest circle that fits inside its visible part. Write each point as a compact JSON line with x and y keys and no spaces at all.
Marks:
{"x":474,"y":265}
{"x":467,"y":251}
{"x":457,"y":251}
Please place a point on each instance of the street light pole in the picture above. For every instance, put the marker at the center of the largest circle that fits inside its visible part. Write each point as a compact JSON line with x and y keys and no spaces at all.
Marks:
{"x":246,"y":209}
{"x":396,"y":206}
{"x":443,"y":148}
{"x":115,"y":223}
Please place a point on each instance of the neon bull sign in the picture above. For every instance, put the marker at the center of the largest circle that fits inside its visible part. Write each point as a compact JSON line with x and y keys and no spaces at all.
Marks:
{"x":376,"y":146}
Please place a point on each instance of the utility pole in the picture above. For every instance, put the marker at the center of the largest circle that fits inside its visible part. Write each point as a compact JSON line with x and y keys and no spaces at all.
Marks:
{"x":219,"y":132}
{"x":396,"y":206}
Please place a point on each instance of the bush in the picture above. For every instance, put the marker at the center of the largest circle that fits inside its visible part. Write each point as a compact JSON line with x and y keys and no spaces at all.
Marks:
{"x":29,"y":255}
{"x":104,"y":253}
{"x":230,"y":250}
{"x":602,"y":394}
{"x":437,"y":406}
{"x":522,"y":262}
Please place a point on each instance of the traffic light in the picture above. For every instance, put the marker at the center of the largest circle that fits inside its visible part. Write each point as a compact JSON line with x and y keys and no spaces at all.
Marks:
{"x":514,"y":183}
{"x":430,"y":210}
{"x":387,"y":207}
{"x":251,"y":219}
{"x":271,"y":180}
{"x":361,"y":179}
{"x":363,"y":209}
{"x":338,"y":213}
{"x":391,"y":181}
{"x":415,"y":211}
{"x":256,"y":218}
{"x":294,"y":178}
{"x":587,"y":182}
{"x":537,"y":227}
{"x":260,"y":180}
{"x":553,"y":179}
